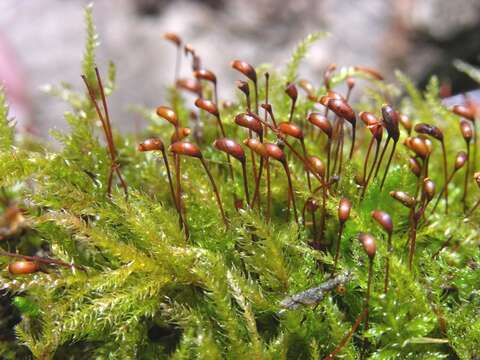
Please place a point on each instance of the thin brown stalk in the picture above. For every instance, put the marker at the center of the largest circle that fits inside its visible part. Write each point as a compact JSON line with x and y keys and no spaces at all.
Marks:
{"x":215,"y":190}
{"x":381,"y":157}
{"x":290,"y":187}
{"x":388,"y":164}
{"x":445,"y":173}
{"x":465,"y":185}
{"x":348,"y":336}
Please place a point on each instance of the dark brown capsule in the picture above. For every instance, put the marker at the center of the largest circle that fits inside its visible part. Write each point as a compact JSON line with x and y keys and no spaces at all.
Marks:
{"x":368,"y":243}
{"x":172,"y":37}
{"x":384,"y":219}
{"x":369,"y":71}
{"x":275,"y":152}
{"x":256,"y":146}
{"x":414,"y":166}
{"x":467,"y":130}
{"x":390,"y":121}
{"x":344,"y":210}
{"x":207,"y":105}
{"x":431,"y":130}
{"x":291,"y":91}
{"x":342,"y":109}
{"x":428,"y":189}
{"x":317,"y":165}
{"x":230,"y":147}
{"x":243,"y":87}
{"x":249,"y":121}
{"x":182,"y":134}
{"x":468,"y":112}
{"x":185,"y":148}
{"x":23,"y":267}
{"x":153,"y":144}
{"x":168,"y":114}
{"x":290,"y":129}
{"x":190,"y":85}
{"x":321,"y":122}
{"x":207,"y":75}
{"x":245,"y":68}
{"x":404,"y":198}
{"x":460,"y":160}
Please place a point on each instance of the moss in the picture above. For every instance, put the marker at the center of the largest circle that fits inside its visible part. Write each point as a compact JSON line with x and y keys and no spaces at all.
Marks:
{"x":141,"y":290}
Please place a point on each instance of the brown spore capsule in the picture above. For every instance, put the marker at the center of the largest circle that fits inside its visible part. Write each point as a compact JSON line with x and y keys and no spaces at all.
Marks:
{"x":390,"y":120}
{"x":257,"y":147}
{"x":249,"y":121}
{"x":230,"y":147}
{"x":467,"y":112}
{"x":428,"y":189}
{"x":205,"y":74}
{"x":460,"y":160}
{"x":23,"y":267}
{"x":207,"y":105}
{"x":290,"y":129}
{"x":168,"y":114}
{"x":245,"y":68}
{"x":321,"y":122}
{"x":404,"y":198}
{"x":185,"y":148}
{"x":466,"y":129}
{"x":190,"y":85}
{"x":384,"y":219}
{"x":317,"y":165}
{"x":368,"y":243}
{"x":291,"y":91}
{"x":308,"y":88}
{"x":344,"y":210}
{"x":428,"y":129}
{"x":275,"y":152}
{"x":405,"y":121}
{"x":152,"y":144}
{"x":172,"y":37}
{"x":342,"y":109}
{"x":180,"y":135}
{"x":414,"y":166}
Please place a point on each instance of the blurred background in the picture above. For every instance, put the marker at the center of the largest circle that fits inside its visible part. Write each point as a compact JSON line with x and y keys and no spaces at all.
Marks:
{"x":42,"y":42}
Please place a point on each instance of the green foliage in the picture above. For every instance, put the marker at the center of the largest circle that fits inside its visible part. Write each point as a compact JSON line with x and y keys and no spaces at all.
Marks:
{"x":468,"y":69}
{"x":300,"y":53}
{"x":139,"y":290}
{"x":7,"y":131}
{"x":91,"y":43}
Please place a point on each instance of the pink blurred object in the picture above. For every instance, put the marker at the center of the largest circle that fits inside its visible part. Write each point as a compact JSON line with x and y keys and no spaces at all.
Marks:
{"x":13,"y":80}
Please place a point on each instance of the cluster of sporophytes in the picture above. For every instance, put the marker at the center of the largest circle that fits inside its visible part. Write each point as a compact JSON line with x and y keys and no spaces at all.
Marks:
{"x":285,"y":225}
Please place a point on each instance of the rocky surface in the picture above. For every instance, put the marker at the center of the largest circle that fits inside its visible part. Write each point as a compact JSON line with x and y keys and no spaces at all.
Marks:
{"x":46,"y":39}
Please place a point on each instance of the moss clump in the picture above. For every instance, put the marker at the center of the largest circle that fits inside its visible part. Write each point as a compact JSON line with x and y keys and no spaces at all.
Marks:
{"x":138,"y":288}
